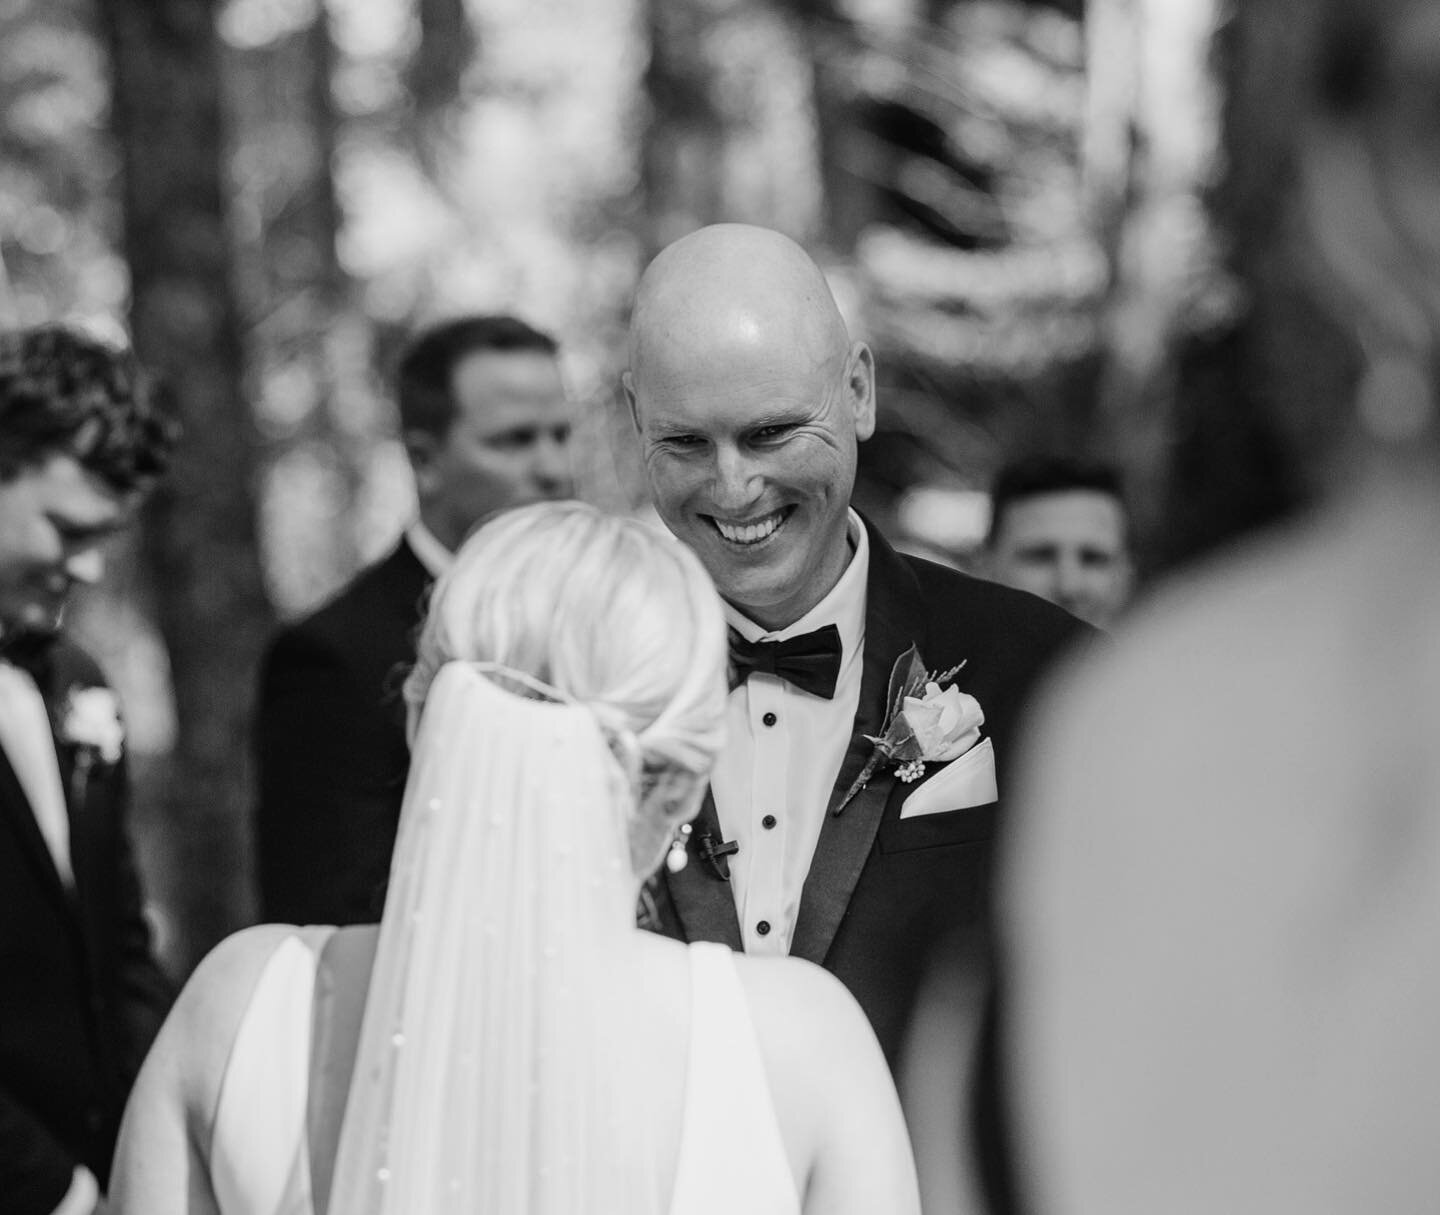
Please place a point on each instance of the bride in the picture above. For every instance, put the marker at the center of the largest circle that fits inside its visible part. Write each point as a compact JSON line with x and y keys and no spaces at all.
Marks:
{"x":506,"y":1040}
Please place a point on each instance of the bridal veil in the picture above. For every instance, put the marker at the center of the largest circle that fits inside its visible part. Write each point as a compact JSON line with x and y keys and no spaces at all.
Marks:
{"x":496,"y":1069}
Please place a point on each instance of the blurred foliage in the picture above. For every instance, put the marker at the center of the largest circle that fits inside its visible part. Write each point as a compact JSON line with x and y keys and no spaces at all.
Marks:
{"x":58,"y":192}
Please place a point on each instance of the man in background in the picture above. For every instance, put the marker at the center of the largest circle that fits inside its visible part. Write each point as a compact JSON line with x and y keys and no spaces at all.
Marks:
{"x":486,"y":424}
{"x":81,"y":994}
{"x":1058,"y":529}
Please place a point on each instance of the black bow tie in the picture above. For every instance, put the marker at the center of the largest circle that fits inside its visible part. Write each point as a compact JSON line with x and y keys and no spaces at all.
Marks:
{"x":30,"y":651}
{"x":811,"y":661}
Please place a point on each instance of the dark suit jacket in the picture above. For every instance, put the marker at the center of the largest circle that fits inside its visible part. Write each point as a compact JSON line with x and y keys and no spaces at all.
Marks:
{"x":330,"y":747}
{"x":81,"y":995}
{"x":881,"y":891}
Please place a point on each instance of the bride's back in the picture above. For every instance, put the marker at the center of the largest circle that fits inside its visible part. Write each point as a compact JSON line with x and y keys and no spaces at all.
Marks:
{"x":506,"y":1039}
{"x":748,"y":1103}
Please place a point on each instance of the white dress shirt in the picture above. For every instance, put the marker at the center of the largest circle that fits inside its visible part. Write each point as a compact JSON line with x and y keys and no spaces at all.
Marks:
{"x":25,"y":735}
{"x":433,"y":555}
{"x":773,"y":780}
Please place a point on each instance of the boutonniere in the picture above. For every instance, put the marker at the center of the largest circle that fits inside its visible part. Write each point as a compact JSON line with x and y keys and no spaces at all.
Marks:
{"x":928,"y":721}
{"x":90,"y":723}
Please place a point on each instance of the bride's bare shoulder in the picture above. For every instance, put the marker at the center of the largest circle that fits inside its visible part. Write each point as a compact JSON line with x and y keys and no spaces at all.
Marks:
{"x":832,"y":1091}
{"x":201,"y":1029}
{"x":802,"y":1009}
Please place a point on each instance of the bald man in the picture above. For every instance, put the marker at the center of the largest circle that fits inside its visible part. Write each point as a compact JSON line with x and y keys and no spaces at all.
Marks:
{"x":750,"y":399}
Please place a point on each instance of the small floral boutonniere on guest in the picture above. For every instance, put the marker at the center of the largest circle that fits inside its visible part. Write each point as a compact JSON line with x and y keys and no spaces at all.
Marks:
{"x":929,"y":721}
{"x":90,"y":723}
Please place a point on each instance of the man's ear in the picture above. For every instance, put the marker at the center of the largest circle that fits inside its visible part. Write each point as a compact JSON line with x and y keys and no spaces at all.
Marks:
{"x":422,"y":447}
{"x":860,"y":389}
{"x":627,"y":384}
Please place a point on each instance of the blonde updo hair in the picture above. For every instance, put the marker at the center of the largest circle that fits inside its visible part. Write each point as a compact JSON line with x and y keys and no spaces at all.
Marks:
{"x":610,"y":612}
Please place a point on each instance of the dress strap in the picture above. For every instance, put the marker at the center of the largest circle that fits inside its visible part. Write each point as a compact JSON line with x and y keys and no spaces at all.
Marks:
{"x":258,"y":1158}
{"x":732,"y":1155}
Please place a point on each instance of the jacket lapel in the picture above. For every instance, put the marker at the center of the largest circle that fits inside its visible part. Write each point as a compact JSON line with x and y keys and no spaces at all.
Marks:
{"x":79,"y":785}
{"x":893,"y":622}
{"x":703,"y":900}
{"x":15,"y":806}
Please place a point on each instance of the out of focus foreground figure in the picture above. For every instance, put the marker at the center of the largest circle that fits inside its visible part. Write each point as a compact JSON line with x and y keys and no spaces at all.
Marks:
{"x":1224,"y":886}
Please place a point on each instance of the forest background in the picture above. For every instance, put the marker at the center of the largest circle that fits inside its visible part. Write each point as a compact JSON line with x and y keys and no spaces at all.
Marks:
{"x":266,"y":196}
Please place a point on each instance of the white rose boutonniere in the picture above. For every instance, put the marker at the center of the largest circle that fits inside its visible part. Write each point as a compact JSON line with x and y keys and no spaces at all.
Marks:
{"x":91,"y":723}
{"x":946,"y":723}
{"x":927,"y":722}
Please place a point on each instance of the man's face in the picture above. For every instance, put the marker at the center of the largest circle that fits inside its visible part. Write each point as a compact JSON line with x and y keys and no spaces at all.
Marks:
{"x":508,"y":444}
{"x":752,"y":467}
{"x":1068,"y":547}
{"x":54,"y":520}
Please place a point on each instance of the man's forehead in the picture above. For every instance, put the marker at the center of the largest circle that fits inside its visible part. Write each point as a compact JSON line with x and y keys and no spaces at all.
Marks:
{"x":1066,"y":513}
{"x":483,"y":370}
{"x":742,"y":397}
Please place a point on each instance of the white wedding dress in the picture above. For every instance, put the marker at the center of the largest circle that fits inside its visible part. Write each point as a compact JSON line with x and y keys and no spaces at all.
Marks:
{"x":731,"y":1155}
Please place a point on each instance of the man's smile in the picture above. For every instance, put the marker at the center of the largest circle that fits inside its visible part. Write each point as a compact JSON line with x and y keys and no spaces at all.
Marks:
{"x":750,"y":532}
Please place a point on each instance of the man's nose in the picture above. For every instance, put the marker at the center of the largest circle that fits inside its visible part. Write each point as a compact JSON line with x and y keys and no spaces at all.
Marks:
{"x":1072,"y":580}
{"x":553,"y":469}
{"x":736,"y":481}
{"x":86,"y":566}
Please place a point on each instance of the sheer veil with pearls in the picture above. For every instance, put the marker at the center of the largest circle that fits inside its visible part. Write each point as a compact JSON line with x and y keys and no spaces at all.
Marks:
{"x":497,"y":1064}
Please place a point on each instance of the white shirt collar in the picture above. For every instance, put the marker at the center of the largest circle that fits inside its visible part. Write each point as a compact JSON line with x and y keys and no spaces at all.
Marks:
{"x":433,"y":555}
{"x":843,"y":606}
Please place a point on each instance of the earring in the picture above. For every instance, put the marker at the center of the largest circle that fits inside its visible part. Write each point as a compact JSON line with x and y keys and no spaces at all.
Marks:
{"x":677,"y":858}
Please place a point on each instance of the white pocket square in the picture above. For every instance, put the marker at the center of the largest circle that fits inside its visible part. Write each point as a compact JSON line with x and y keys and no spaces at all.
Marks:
{"x":960,"y":784}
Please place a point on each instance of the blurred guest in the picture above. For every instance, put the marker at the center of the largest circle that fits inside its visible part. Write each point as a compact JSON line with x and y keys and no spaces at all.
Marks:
{"x":486,"y":424}
{"x":1225,"y":883}
{"x":81,"y":994}
{"x":1059,"y":529}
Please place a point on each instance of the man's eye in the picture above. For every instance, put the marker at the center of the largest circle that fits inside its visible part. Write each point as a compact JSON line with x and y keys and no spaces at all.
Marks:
{"x":81,"y":537}
{"x":512,"y":440}
{"x":683,"y":441}
{"x":768,"y":434}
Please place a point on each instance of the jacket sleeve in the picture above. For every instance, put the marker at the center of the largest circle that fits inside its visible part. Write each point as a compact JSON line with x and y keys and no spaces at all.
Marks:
{"x":330,"y":785}
{"x":35,"y":1170}
{"x":145,"y":991}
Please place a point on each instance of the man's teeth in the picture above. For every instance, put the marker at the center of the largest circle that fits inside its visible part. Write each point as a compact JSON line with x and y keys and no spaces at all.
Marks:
{"x":749,"y":533}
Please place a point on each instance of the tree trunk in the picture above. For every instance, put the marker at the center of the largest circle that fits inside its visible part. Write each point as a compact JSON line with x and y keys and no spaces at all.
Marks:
{"x":199,"y":538}
{"x":446,"y":49}
{"x":307,"y":345}
{"x":732,"y":125}
{"x":1150,"y":136}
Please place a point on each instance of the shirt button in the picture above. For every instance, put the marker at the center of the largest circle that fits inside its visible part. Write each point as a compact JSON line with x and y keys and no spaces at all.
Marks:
{"x":768,"y":822}
{"x":769,"y":719}
{"x":763,"y":928}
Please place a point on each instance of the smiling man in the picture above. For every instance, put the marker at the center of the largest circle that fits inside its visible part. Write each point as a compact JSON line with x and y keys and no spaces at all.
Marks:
{"x":750,"y":399}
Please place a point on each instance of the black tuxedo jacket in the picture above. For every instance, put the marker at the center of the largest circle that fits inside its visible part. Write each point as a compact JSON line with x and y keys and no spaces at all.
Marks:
{"x":330,"y":747}
{"x":81,"y":995}
{"x":882,"y":891}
